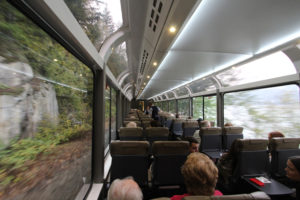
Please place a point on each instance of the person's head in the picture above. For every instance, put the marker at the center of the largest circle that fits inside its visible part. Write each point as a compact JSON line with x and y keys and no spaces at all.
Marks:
{"x":293,"y":168}
{"x":151,"y":104}
{"x":125,"y":189}
{"x":194,"y":144}
{"x":177,"y":115}
{"x":200,"y":174}
{"x":155,"y":123}
{"x":131,"y":125}
{"x":228,"y":124}
{"x":190,"y":117}
{"x":205,"y":123}
{"x":275,"y":134}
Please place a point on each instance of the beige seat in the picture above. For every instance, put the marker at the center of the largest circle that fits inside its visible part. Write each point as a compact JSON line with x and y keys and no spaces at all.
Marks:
{"x":127,"y":133}
{"x":281,"y":149}
{"x":169,"y":156}
{"x":189,"y":127}
{"x":230,"y":134}
{"x":130,"y":158}
{"x":211,"y":139}
{"x":138,"y":123}
{"x":157,"y":134}
{"x":251,"y":196}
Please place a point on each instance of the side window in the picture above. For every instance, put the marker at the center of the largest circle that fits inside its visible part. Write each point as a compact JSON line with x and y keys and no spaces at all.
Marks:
{"x":184,"y":107}
{"x":265,"y":110}
{"x":198,"y":107}
{"x":113,"y":114}
{"x":172,"y":106}
{"x":45,"y":113}
{"x":210,"y":108}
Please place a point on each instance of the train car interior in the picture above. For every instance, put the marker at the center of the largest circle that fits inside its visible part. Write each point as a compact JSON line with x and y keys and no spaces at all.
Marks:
{"x":93,"y":91}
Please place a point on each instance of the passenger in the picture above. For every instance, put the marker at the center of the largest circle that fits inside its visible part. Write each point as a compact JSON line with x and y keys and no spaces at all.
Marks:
{"x":190,"y":117}
{"x":154,"y":111}
{"x":200,"y":176}
{"x":131,"y":125}
{"x":177,"y":116}
{"x":228,"y":124}
{"x":125,"y":189}
{"x":194,"y":144}
{"x":205,"y":123}
{"x":275,"y":134}
{"x":225,"y":166}
{"x":293,"y":172}
{"x":147,"y":110}
{"x":155,"y":123}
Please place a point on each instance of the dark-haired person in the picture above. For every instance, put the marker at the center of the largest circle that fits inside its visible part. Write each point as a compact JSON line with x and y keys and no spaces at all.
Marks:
{"x":193,"y":144}
{"x":200,"y":176}
{"x":293,"y":172}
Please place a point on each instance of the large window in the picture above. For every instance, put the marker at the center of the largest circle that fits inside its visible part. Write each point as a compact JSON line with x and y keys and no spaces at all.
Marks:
{"x":198,"y":107}
{"x":172,"y":106}
{"x":164,"y":106}
{"x":45,"y":113}
{"x":99,"y":19}
{"x":265,"y":110}
{"x":210,"y":108}
{"x":184,"y":107}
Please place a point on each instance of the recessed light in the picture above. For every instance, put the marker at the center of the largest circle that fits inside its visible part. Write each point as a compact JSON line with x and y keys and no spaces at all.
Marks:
{"x":148,"y":76}
{"x":144,"y":83}
{"x":172,"y":29}
{"x":155,"y":63}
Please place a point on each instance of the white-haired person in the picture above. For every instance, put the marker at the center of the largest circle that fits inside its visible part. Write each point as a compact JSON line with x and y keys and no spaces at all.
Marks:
{"x":124,"y":189}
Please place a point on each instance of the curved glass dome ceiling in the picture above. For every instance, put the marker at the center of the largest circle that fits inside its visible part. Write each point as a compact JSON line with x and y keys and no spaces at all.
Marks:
{"x":214,"y":38}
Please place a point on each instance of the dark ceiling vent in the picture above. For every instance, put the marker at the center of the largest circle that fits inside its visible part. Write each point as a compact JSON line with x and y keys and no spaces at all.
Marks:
{"x":144,"y":61}
{"x":154,"y":15}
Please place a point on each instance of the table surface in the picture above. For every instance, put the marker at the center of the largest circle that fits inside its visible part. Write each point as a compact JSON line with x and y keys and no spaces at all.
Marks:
{"x":273,"y":188}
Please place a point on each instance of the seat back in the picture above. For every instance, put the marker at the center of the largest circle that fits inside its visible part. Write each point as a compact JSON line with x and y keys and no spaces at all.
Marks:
{"x":138,"y":123}
{"x":127,"y":133}
{"x":156,"y":134}
{"x":251,"y":157}
{"x":130,"y":158}
{"x":169,"y":156}
{"x":168,"y":122}
{"x":251,"y":196}
{"x":176,"y":126}
{"x":230,"y":134}
{"x":281,"y":149}
{"x":189,"y":127}
{"x":211,"y":139}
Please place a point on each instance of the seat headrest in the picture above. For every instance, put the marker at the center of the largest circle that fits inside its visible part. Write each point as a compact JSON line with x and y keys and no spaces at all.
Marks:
{"x":252,"y":196}
{"x":233,"y":130}
{"x":129,"y":148}
{"x":251,"y":144}
{"x":157,"y":131}
{"x":284,"y":143}
{"x":190,"y":124}
{"x":210,"y":130}
{"x":178,"y":120}
{"x":128,"y":131}
{"x":170,"y":148}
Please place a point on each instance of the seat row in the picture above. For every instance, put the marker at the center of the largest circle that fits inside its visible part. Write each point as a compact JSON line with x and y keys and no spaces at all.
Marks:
{"x":133,"y":158}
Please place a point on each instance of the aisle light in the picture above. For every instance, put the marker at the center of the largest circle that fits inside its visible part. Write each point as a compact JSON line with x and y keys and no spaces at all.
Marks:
{"x":172,"y":29}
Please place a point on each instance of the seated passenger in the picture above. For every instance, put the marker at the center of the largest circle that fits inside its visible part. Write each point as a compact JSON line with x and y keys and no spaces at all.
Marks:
{"x":131,"y":125}
{"x":228,"y":124}
{"x":200,"y":176}
{"x":205,"y":123}
{"x":155,"y":123}
{"x":275,"y":134}
{"x":177,"y":116}
{"x":125,"y":189}
{"x":194,"y":144}
{"x":293,"y":172}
